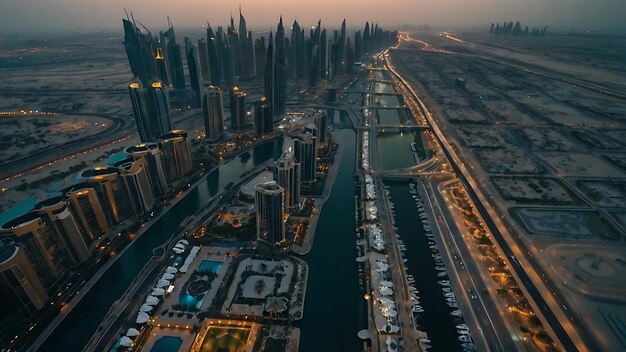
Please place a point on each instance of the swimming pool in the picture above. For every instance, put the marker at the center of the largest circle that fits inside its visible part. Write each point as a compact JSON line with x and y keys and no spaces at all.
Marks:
{"x":209,"y":266}
{"x":188,"y":300}
{"x":167,"y":344}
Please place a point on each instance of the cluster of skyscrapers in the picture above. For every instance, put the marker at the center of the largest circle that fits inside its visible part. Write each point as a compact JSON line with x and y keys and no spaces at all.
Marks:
{"x":276,"y":200}
{"x":225,"y":58}
{"x":39,"y":247}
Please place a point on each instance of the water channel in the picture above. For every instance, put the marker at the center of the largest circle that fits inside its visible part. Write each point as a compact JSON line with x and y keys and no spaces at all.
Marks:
{"x":436,"y":320}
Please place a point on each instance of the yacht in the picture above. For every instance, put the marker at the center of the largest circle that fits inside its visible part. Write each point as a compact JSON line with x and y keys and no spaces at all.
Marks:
{"x":453,"y":305}
{"x":440,"y":268}
{"x":417,"y":309}
{"x":446,"y":289}
{"x":468,"y":346}
{"x":449,"y":294}
{"x":464,"y":332}
{"x":465,"y":338}
{"x":442,"y":274}
{"x":444,"y":282}
{"x":456,"y":313}
{"x":462,"y":326}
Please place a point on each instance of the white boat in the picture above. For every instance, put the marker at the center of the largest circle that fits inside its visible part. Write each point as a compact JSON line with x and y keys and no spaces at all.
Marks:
{"x":418,"y":311}
{"x":465,"y":338}
{"x":449,"y":294}
{"x":444,"y":282}
{"x":424,"y":340}
{"x":446,"y":289}
{"x":451,"y":299}
{"x":453,"y":305}
{"x":456,"y":313}
{"x":468,"y":346}
{"x":464,"y":332}
{"x":442,"y":274}
{"x":462,"y":326}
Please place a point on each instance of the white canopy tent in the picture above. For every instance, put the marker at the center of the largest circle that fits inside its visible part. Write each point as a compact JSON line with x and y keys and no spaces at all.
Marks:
{"x":132,"y":332}
{"x":125,"y":341}
{"x":171,"y":270}
{"x":142,"y":318}
{"x":151,"y":300}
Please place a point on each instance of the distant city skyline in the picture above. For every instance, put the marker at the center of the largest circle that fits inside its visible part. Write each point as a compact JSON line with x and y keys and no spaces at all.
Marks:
{"x":68,"y":15}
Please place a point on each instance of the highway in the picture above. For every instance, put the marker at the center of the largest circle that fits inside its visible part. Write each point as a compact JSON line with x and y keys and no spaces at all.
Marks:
{"x":563,"y":329}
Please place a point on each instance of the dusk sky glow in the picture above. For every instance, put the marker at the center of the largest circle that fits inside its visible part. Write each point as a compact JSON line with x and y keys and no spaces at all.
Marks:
{"x":63,"y":15}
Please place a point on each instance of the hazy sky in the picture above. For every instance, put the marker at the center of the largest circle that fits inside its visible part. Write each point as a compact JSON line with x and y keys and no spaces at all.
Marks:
{"x":26,"y":16}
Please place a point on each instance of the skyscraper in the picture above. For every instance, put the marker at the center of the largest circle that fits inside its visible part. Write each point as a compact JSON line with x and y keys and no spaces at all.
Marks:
{"x":366,"y":39}
{"x":23,"y":291}
{"x":138,"y":102}
{"x":321,"y":123}
{"x":174,"y":58}
{"x":214,"y":57}
{"x":288,"y":177}
{"x":270,"y":226}
{"x":323,"y":54}
{"x":341,"y":49}
{"x":248,"y":69}
{"x":193,"y":65}
{"x":304,"y":153}
{"x":112,"y":193}
{"x":349,"y":58}
{"x":153,"y":158}
{"x":150,"y":110}
{"x":263,"y":120}
{"x":279,"y":98}
{"x":297,"y":41}
{"x":268,"y":82}
{"x":84,"y":203}
{"x":50,"y":237}
{"x":358,"y":46}
{"x":228,"y":62}
{"x":176,"y":150}
{"x":55,"y":213}
{"x":238,"y":112}
{"x":141,"y":49}
{"x":260,"y":52}
{"x":134,"y":173}
{"x":161,"y":67}
{"x":213,"y":113}
{"x":158,"y":108}
{"x":203,"y":54}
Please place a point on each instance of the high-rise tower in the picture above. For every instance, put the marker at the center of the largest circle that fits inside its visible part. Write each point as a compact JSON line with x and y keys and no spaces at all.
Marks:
{"x":304,"y":153}
{"x":288,"y":177}
{"x":238,"y":112}
{"x":270,"y":225}
{"x":263,"y":120}
{"x":213,"y":113}
{"x":193,"y":66}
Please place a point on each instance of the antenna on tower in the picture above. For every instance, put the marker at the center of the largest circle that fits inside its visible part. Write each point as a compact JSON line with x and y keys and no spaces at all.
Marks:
{"x":144,"y":27}
{"x":169,"y":22}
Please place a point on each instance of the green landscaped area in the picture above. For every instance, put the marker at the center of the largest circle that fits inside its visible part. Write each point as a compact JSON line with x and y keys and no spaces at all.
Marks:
{"x":225,"y":339}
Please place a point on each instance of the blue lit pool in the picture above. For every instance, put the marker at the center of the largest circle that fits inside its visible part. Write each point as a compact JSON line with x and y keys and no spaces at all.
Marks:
{"x":209,"y":266}
{"x":167,"y":344}
{"x":199,"y":284}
